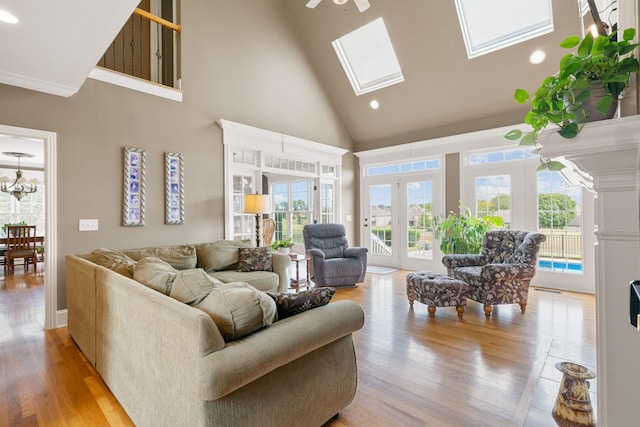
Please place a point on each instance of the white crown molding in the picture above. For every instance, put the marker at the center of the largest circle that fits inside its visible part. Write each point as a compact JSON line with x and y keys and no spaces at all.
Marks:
{"x":27,"y":82}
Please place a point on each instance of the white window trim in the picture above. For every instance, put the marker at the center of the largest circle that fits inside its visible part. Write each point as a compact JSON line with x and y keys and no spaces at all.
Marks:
{"x":237,"y":136}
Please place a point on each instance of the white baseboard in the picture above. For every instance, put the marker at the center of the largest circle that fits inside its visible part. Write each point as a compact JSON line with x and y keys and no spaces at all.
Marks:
{"x":61,"y":318}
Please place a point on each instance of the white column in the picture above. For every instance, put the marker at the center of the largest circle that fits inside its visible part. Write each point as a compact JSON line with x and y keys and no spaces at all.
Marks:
{"x":608,"y":151}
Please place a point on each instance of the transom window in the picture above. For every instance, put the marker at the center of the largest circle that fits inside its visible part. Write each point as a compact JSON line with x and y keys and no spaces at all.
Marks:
{"x":420,"y":165}
{"x":500,"y":156}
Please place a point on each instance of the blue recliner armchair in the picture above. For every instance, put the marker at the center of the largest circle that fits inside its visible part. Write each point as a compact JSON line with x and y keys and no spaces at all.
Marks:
{"x":333,"y":263}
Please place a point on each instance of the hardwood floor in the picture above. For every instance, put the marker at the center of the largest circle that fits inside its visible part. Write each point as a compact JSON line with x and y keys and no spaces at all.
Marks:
{"x":413,"y":370}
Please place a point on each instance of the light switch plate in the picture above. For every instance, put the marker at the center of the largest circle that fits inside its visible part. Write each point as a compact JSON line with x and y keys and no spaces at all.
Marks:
{"x":88,"y":225}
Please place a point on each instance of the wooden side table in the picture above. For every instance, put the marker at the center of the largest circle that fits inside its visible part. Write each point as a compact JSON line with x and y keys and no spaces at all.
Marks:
{"x":300,"y":281}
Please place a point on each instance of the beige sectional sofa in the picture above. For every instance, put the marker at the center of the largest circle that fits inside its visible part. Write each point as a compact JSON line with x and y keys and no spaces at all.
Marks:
{"x":168,"y":364}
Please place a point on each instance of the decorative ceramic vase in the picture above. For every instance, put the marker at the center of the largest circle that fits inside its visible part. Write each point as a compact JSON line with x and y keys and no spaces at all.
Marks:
{"x":284,"y":250}
{"x":573,"y":404}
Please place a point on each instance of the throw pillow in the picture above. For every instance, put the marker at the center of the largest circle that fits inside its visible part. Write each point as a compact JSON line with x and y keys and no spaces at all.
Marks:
{"x":238,"y":309}
{"x":290,"y":304}
{"x":155,"y":273}
{"x":220,"y":255}
{"x":255,"y":259}
{"x":114,"y":260}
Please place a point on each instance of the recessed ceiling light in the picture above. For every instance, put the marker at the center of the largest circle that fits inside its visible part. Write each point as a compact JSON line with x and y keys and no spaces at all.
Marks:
{"x":374,"y":104}
{"x":537,"y":57}
{"x":8,"y":17}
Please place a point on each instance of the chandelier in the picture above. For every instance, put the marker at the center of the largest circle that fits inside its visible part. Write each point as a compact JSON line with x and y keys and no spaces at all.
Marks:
{"x":19,"y":188}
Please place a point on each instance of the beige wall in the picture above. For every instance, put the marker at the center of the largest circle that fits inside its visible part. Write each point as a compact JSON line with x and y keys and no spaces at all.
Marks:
{"x":240,"y":62}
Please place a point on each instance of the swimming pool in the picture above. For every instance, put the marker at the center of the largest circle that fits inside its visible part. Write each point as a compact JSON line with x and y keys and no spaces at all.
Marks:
{"x":569,"y":267}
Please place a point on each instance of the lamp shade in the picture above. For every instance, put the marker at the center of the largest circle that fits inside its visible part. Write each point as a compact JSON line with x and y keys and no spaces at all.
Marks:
{"x":256,"y":203}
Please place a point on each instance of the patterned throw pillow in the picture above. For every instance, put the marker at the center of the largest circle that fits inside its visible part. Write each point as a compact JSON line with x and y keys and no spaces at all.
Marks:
{"x":255,"y":259}
{"x":290,"y":304}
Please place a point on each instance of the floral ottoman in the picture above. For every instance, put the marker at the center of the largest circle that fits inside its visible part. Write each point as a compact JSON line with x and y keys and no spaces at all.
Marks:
{"x":437,"y":290}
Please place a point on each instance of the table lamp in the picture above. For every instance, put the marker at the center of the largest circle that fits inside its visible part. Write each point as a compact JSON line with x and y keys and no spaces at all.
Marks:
{"x":257,"y":204}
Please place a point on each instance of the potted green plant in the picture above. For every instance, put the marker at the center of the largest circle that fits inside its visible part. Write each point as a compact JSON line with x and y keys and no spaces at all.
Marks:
{"x":462,"y":233}
{"x":283,"y":246}
{"x":596,"y":75}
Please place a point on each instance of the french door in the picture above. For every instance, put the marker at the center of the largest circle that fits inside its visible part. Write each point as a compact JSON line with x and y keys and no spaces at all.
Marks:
{"x":398,"y":221}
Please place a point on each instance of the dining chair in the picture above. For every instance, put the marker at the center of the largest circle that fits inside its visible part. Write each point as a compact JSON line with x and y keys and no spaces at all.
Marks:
{"x":21,"y":243}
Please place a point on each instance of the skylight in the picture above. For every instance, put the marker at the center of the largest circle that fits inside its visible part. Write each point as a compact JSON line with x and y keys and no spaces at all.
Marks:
{"x":491,"y":25}
{"x":368,"y":58}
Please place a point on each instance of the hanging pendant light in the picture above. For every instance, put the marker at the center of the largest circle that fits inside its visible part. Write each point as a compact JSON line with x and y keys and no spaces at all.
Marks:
{"x":19,"y":188}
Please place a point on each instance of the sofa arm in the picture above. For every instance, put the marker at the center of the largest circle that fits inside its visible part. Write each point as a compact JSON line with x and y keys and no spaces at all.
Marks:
{"x":255,"y":355}
{"x":281,"y":264}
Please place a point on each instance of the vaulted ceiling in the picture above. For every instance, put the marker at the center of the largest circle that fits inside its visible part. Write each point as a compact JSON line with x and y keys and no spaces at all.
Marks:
{"x":444,"y":92}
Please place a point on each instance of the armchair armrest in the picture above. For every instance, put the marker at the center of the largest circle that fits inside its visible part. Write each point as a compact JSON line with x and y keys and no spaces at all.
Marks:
{"x":355,"y":252}
{"x":463,"y":260}
{"x":313,"y":253}
{"x":508,"y":272}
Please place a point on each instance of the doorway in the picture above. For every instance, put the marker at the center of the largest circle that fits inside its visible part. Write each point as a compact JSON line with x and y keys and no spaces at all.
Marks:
{"x":48,"y":139}
{"x":398,"y":220}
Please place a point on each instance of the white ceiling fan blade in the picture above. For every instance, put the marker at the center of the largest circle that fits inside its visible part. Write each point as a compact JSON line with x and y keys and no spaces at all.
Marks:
{"x":362,"y":4}
{"x":313,"y":3}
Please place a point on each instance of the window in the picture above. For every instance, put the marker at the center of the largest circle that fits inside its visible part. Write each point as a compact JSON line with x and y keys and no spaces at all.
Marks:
{"x":243,"y":224}
{"x":292,"y":209}
{"x":419,"y":219}
{"x":488,"y":26}
{"x":416,"y":166}
{"x":30,"y":209}
{"x":368,"y":58}
{"x":493,"y":197}
{"x":327,"y":210}
{"x":481,"y":158}
{"x":560,"y":219}
{"x":302,"y":177}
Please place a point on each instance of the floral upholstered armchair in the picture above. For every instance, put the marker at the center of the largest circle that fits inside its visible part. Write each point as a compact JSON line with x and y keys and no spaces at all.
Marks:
{"x":501,"y":273}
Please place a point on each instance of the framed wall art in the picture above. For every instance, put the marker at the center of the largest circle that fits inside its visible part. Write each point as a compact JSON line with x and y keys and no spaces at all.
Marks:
{"x":133,"y":204}
{"x":174,"y":188}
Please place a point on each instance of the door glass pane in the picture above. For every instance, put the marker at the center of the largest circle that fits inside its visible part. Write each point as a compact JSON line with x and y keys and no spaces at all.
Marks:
{"x":380,"y":215}
{"x":560,"y":219}
{"x":493,"y":197}
{"x":420,"y":219}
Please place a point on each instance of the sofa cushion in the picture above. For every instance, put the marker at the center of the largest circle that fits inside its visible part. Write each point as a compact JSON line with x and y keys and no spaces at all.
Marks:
{"x":187,"y":286}
{"x":220,"y":255}
{"x":180,"y":257}
{"x":266,"y":281}
{"x":255,"y":259}
{"x":290,"y":304}
{"x":114,"y":260}
{"x":238,"y":309}
{"x":192,"y":286}
{"x":155,"y":273}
